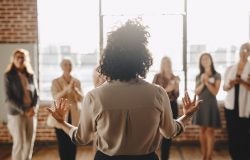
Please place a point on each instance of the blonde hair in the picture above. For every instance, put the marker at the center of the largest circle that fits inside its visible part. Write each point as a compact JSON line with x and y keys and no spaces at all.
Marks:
{"x":27,"y":65}
{"x":165,"y":58}
{"x":66,"y":59}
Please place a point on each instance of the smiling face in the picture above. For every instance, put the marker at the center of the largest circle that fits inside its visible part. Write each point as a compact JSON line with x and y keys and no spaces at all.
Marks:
{"x":206,"y":61}
{"x":66,"y":66}
{"x":19,"y":60}
{"x":166,"y":65}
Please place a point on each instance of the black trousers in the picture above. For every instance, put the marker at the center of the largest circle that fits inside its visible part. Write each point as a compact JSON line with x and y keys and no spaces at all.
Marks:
{"x":166,"y":143}
{"x":238,"y":135}
{"x":67,"y":149}
{"x":101,"y":156}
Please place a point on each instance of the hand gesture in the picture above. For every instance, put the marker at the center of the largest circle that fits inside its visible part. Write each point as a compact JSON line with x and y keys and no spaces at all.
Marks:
{"x":59,"y":110}
{"x":30,"y":112}
{"x":189,"y":107}
{"x":233,"y":82}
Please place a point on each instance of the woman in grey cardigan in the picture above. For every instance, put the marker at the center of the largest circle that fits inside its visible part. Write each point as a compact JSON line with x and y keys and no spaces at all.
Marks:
{"x":21,"y":102}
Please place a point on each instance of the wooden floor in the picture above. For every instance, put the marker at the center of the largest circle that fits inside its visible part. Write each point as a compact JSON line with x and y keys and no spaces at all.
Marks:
{"x":178,"y":152}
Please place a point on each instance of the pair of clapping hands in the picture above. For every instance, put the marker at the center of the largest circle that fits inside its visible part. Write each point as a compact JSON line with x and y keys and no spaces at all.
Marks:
{"x":235,"y":81}
{"x":61,"y":107}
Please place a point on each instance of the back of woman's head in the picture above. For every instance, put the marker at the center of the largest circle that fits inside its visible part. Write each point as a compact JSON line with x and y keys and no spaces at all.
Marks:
{"x":126,"y":55}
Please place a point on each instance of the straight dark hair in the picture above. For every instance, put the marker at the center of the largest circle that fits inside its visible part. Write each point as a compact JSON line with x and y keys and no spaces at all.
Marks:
{"x":202,"y":69}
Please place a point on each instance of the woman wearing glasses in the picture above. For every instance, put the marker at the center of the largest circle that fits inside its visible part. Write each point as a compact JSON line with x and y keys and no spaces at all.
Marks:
{"x":21,"y":101}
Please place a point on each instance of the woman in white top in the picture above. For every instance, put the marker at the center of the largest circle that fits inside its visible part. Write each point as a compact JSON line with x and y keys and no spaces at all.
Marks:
{"x":237,"y":105}
{"x":127,"y":114}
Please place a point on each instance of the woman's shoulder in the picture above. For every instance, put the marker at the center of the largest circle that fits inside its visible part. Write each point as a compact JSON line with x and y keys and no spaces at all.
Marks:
{"x":157,"y":75}
{"x":176,"y":77}
{"x":76,"y":80}
{"x":55,"y":80}
{"x":217,"y":75}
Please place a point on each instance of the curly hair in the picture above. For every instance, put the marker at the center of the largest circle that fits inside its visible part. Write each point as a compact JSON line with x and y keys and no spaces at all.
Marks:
{"x":126,"y":55}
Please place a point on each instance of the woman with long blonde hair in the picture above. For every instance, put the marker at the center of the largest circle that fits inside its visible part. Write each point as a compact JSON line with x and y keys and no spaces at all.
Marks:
{"x":170,"y":83}
{"x":21,"y":102}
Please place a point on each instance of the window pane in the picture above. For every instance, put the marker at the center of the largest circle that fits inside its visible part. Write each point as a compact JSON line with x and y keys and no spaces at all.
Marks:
{"x":217,"y":27}
{"x":165,"y":39}
{"x":128,"y":7}
{"x":67,"y":29}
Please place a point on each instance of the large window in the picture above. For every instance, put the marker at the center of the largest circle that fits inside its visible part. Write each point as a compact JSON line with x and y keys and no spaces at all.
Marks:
{"x":217,"y":27}
{"x":67,"y":29}
{"x":71,"y":28}
{"x":164,"y":19}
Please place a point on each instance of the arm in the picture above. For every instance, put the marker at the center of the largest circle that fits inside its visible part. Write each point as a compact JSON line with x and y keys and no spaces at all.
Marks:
{"x":214,"y":89}
{"x":36,"y":92}
{"x":245,"y":84}
{"x":230,"y":84}
{"x":199,"y":85}
{"x":177,"y":90}
{"x":56,"y":93}
{"x":15,"y":105}
{"x":170,"y":127}
{"x":83,"y":133}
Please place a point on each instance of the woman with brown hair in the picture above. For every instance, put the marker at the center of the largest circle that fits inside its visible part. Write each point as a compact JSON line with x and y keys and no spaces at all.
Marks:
{"x":167,"y":80}
{"x":207,"y":117}
{"x":67,"y":86}
{"x":21,"y":101}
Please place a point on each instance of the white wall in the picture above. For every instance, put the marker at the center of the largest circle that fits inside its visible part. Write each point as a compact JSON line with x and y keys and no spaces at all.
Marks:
{"x":5,"y":54}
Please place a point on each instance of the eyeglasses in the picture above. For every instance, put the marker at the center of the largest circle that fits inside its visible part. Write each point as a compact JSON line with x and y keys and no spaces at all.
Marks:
{"x":20,"y":57}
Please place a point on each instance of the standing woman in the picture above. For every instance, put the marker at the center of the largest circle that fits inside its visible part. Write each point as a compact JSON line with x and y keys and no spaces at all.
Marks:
{"x":237,"y":105}
{"x":207,"y":117}
{"x":69,"y":88}
{"x":170,"y":83}
{"x":126,"y":114}
{"x":21,"y":101}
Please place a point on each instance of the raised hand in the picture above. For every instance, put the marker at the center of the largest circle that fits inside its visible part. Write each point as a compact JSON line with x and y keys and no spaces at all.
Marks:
{"x":59,"y":110}
{"x":189,"y":107}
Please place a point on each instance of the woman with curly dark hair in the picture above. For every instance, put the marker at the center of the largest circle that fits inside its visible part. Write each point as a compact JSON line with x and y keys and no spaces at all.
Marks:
{"x":127,"y":114}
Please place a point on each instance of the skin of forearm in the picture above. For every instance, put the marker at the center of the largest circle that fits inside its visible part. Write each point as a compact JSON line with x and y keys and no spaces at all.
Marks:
{"x":184,"y":119}
{"x":61,"y":94}
{"x":199,"y":88}
{"x":212,"y":89}
{"x":78,"y":94}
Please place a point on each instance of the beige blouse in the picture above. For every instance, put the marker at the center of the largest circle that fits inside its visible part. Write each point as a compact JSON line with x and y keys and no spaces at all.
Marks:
{"x":127,"y":118}
{"x":75,"y":100}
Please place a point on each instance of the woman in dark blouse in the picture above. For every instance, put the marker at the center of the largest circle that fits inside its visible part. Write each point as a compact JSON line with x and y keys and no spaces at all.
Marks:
{"x":170,"y":83}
